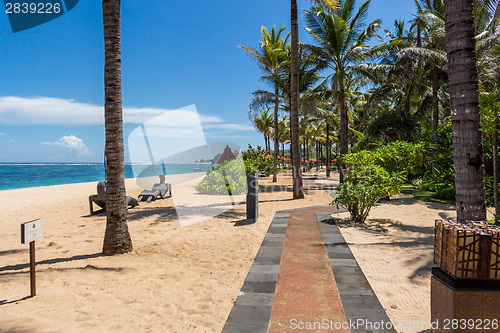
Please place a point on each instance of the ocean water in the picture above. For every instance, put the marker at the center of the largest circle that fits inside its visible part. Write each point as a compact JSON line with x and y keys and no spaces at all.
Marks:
{"x":22,"y":175}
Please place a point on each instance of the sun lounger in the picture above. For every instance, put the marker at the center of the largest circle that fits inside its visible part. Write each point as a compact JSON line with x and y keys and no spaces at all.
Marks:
{"x":100,"y":199}
{"x":159,"y":190}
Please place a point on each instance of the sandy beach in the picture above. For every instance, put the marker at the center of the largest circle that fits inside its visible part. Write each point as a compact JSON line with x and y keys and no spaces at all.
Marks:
{"x":185,"y":273}
{"x":177,"y":279}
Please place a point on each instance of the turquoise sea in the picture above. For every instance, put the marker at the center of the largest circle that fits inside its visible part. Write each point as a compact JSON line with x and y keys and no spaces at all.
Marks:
{"x":22,"y":175}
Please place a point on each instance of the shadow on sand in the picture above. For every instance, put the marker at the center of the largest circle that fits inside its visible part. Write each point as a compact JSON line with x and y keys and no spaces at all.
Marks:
{"x":19,"y":267}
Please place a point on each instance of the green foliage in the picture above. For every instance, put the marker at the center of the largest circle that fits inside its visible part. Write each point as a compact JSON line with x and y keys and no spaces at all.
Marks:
{"x":258,"y":160}
{"x":366,"y":183}
{"x":442,"y":180}
{"x":225,"y":178}
{"x":446,"y":192}
{"x":405,"y":157}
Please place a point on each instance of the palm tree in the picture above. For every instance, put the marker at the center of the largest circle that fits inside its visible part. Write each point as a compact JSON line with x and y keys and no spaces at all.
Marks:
{"x":271,"y":56}
{"x":263,"y":122}
{"x":298,"y":191}
{"x":465,"y":111}
{"x":431,"y":23}
{"x":341,"y":34}
{"x":117,"y":238}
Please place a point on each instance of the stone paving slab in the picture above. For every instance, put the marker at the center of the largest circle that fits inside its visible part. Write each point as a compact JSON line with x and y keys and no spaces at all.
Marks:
{"x":252,"y":309}
{"x":358,"y":298}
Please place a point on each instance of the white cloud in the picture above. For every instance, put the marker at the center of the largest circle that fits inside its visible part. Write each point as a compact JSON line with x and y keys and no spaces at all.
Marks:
{"x":56,"y":111}
{"x":71,"y":142}
{"x":48,"y":111}
{"x":2,"y":133}
{"x":234,"y":127}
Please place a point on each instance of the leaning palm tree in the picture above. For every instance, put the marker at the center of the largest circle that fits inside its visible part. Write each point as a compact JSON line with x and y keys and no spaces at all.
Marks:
{"x":117,"y":238}
{"x":465,"y":111}
{"x":271,"y":56}
{"x":342,"y":35}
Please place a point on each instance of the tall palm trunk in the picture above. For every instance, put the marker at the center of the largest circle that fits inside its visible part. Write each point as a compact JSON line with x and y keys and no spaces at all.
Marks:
{"x":307,"y":155}
{"x":495,"y":169}
{"x":317,"y":155}
{"x":276,"y":142}
{"x":435,"y":117}
{"x":328,"y":155}
{"x":343,"y":126}
{"x":465,"y":111}
{"x":117,"y":238}
{"x":298,"y":191}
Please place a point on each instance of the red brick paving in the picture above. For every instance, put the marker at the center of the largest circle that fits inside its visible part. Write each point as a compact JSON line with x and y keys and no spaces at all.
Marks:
{"x":306,"y":291}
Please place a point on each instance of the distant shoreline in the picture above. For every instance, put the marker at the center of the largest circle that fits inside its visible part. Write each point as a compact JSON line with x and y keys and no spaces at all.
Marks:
{"x":29,"y":175}
{"x":173,"y":179}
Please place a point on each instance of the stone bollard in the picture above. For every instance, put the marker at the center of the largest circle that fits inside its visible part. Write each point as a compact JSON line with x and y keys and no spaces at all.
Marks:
{"x":252,"y":196}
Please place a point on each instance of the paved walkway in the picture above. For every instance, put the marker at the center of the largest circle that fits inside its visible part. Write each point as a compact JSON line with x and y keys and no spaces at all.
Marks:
{"x":305,"y":279}
{"x":306,"y":292}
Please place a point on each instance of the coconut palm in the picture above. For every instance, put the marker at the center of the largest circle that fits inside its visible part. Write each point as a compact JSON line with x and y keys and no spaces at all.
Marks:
{"x":342,"y":35}
{"x":284,"y":133}
{"x":271,"y":56}
{"x":432,"y":48}
{"x":465,"y":110}
{"x":117,"y":238}
{"x":298,"y":191}
{"x":263,"y":122}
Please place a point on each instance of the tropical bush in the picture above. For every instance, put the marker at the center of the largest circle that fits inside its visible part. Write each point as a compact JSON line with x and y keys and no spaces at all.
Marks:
{"x":225,"y":178}
{"x":366,"y":183}
{"x":258,"y":160}
{"x":401,"y":156}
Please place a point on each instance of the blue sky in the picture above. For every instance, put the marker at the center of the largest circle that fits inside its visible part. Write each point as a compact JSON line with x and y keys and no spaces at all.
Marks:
{"x":174,"y":54}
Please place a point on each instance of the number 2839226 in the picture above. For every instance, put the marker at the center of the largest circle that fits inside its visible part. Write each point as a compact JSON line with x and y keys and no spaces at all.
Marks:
{"x":32,"y":8}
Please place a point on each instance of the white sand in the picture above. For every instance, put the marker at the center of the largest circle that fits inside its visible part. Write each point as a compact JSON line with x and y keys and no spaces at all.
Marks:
{"x":185,"y":279}
{"x":177,"y":279}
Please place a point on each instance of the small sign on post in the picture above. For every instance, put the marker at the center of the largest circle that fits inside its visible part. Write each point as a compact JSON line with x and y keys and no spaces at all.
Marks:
{"x":30,"y":232}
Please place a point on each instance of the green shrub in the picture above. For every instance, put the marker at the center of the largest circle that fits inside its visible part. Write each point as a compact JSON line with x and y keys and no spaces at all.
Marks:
{"x":366,"y":183}
{"x":400,"y":156}
{"x":445,"y":192}
{"x":258,"y":160}
{"x":225,"y":178}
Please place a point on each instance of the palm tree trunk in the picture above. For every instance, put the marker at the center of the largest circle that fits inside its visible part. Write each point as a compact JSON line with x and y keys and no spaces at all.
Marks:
{"x":276,"y":142}
{"x":495,"y":169}
{"x":298,"y":191}
{"x":303,"y":153}
{"x":307,"y":155}
{"x":435,"y":117}
{"x":343,"y":126}
{"x":117,"y":238}
{"x":328,"y":155}
{"x":317,"y":155}
{"x":465,"y":111}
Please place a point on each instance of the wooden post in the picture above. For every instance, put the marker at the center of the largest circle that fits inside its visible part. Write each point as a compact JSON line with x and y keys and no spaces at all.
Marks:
{"x":32,"y":269}
{"x":30,"y":232}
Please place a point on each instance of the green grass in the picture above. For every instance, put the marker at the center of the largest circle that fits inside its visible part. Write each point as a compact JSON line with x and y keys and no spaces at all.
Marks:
{"x":428,"y":196}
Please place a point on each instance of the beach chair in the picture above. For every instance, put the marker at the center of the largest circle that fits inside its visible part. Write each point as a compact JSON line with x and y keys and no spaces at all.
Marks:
{"x":100,"y":199}
{"x":159,"y":190}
